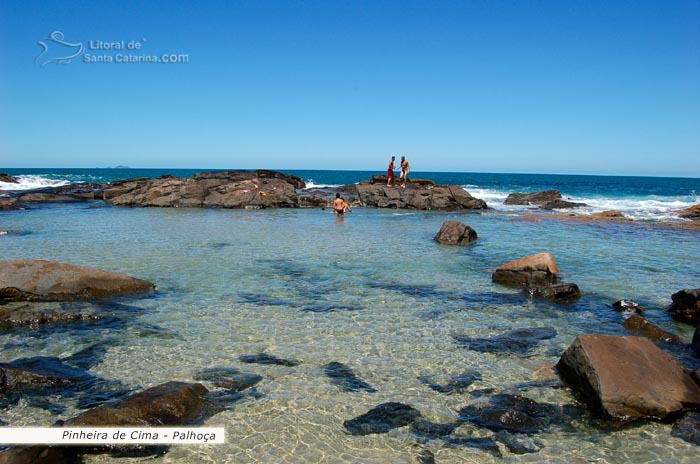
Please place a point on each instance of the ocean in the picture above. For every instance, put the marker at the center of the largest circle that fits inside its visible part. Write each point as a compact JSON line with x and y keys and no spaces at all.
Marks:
{"x":372,"y":291}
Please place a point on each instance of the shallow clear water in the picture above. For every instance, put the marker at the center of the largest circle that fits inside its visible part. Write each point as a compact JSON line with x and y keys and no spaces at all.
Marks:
{"x":373,"y":291}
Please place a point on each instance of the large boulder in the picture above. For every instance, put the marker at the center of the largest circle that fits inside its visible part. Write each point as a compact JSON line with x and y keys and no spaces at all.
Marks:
{"x":41,"y":280}
{"x":627,"y":378}
{"x":692,"y":213}
{"x":639,"y":325}
{"x":686,"y":306}
{"x":456,"y":233}
{"x":8,"y":178}
{"x":419,"y":197}
{"x":535,"y":270}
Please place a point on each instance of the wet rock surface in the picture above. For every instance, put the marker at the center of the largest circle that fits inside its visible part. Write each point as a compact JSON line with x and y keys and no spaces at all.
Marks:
{"x":628,"y":306}
{"x":14,"y":315}
{"x":382,"y":418}
{"x":456,"y":233}
{"x":521,"y":341}
{"x":686,"y":306}
{"x":562,"y":292}
{"x":8,"y":178}
{"x":41,"y":280}
{"x":627,"y":378}
{"x":692,"y":213}
{"x":535,"y":270}
{"x":228,"y":378}
{"x":688,"y":428}
{"x":418,"y":197}
{"x":640,"y":326}
{"x":344,"y":377}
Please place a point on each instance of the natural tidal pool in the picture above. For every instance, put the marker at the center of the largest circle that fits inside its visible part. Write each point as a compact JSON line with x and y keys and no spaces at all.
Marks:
{"x":373,"y":292}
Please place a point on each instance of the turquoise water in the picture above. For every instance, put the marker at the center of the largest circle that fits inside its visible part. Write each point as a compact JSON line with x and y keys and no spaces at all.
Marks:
{"x":373,"y":291}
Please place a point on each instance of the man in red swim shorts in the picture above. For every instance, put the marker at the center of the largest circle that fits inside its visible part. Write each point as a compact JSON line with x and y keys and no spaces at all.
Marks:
{"x":390,"y":172}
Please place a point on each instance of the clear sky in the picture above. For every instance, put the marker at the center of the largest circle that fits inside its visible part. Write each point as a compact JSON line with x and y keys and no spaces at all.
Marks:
{"x":591,"y":87}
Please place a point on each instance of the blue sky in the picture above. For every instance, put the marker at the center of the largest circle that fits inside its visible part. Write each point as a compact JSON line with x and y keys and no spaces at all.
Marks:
{"x":591,"y":87}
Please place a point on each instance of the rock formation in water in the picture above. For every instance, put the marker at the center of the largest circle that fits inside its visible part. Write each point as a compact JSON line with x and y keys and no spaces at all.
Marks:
{"x":456,"y":233}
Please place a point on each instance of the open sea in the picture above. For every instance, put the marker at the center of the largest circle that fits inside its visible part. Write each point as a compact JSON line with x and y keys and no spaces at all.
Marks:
{"x":373,"y":291}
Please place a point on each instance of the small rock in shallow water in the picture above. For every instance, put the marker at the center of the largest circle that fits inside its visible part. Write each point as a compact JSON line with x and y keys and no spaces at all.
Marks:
{"x":520,"y":444}
{"x":238,"y":382}
{"x":511,"y":413}
{"x":345,"y":378}
{"x":263,"y":358}
{"x":563,"y":293}
{"x":382,"y":418}
{"x":480,"y":443}
{"x":639,"y":325}
{"x":431,"y":430}
{"x":455,"y":384}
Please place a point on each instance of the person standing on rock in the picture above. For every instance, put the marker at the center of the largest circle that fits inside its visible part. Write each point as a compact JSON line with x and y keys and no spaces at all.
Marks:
{"x":340,"y":206}
{"x":405,"y":169}
{"x":390,"y":172}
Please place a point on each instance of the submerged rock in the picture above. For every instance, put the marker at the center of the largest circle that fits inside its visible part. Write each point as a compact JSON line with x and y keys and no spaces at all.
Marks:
{"x":563,"y":293}
{"x":456,"y":233}
{"x":535,"y":270}
{"x":512,"y":413}
{"x":454,"y":384}
{"x":628,"y":306}
{"x":686,"y":306}
{"x":41,"y":280}
{"x":344,"y":377}
{"x":562,"y":204}
{"x":29,"y":315}
{"x":382,"y":418}
{"x":688,"y":428}
{"x":627,"y":378}
{"x":229,"y":378}
{"x":264,"y":358}
{"x":640,"y":326}
{"x":695,"y":344}
{"x":38,"y":373}
{"x":516,"y":341}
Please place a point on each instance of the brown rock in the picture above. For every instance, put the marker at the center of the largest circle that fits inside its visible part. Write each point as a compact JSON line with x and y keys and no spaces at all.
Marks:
{"x":10,"y":204}
{"x":36,"y":455}
{"x":45,"y":198}
{"x":643,"y":327}
{"x":563,"y":293}
{"x":8,"y":178}
{"x":535,"y":270}
{"x":692,"y":212}
{"x":171,"y":403}
{"x":26,"y":315}
{"x":456,"y":233}
{"x":441,"y":197}
{"x":51,"y":281}
{"x":38,"y":373}
{"x":686,"y":306}
{"x":627,"y":378}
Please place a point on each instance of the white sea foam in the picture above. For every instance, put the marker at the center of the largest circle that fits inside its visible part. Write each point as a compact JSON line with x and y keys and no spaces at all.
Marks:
{"x":649,"y":208}
{"x":311,"y":184}
{"x":30,"y":182}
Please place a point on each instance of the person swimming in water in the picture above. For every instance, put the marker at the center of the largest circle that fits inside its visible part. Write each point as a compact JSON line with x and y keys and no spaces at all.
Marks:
{"x":340,"y":206}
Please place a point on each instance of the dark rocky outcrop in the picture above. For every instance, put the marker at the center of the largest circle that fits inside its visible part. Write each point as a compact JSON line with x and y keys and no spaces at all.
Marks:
{"x":640,"y":326}
{"x":561,"y":293}
{"x":40,"y":280}
{"x":10,"y":204}
{"x":535,"y":270}
{"x":456,"y":233}
{"x":686,"y":306}
{"x":30,"y":315}
{"x":688,"y":428}
{"x":441,"y":197}
{"x":46,"y":198}
{"x":344,"y":377}
{"x":226,"y":189}
{"x":516,"y":341}
{"x":382,"y":418}
{"x":628,"y":306}
{"x":627,"y":378}
{"x":692,"y":213}
{"x":562,"y":204}
{"x":695,"y":344}
{"x":264,"y":358}
{"x":8,"y":178}
{"x":534,"y":198}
